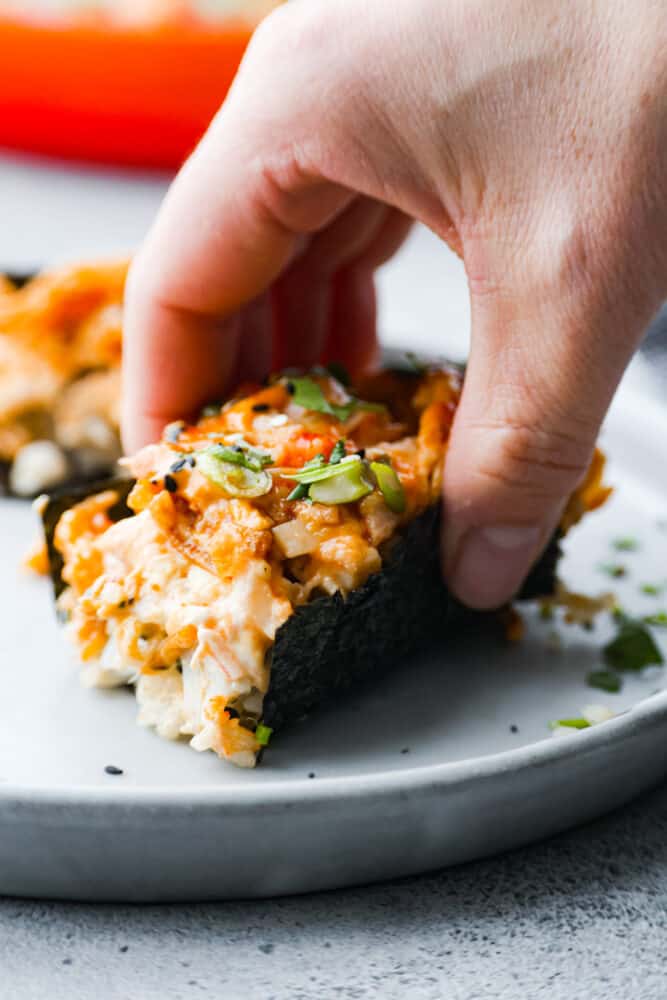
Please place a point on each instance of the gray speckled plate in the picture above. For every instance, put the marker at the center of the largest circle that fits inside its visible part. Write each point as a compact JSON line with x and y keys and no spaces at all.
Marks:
{"x":451,"y":760}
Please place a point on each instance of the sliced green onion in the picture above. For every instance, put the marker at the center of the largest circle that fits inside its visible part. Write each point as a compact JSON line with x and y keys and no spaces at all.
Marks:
{"x":307,"y":393}
{"x":337,"y":453}
{"x":254,"y":459}
{"x":633,"y":648}
{"x":234,"y":480}
{"x":317,"y":473}
{"x":300,"y":492}
{"x":626,"y":544}
{"x":346,"y":486}
{"x":390,"y":486}
{"x":658,"y":620}
{"x":604,"y":680}
{"x":651,"y":589}
{"x":263,"y":734}
{"x":570,"y":724}
{"x":615,"y":570}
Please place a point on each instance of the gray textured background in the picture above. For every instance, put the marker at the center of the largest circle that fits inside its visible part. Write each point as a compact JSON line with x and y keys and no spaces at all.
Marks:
{"x":581,"y":916}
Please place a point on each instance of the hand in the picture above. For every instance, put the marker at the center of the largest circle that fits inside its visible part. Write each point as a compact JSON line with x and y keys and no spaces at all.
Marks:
{"x":530,"y":136}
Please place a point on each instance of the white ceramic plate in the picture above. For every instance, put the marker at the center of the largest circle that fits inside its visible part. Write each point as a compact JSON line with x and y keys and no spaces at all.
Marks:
{"x":181,"y":825}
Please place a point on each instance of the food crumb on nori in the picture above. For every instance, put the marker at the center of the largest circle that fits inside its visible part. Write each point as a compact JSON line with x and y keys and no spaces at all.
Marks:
{"x":112,"y":769}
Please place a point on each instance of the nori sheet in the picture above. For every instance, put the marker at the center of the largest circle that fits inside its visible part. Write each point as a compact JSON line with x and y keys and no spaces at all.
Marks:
{"x":67,"y":496}
{"x":335,"y":644}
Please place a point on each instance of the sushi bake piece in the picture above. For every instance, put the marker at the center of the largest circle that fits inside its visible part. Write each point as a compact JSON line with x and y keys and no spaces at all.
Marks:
{"x":281,"y":551}
{"x":60,"y":350}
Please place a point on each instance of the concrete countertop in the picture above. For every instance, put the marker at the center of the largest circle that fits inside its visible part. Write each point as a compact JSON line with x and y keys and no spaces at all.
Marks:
{"x":581,"y":916}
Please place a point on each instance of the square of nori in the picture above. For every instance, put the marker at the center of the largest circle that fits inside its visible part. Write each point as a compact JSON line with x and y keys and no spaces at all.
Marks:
{"x":337,"y":643}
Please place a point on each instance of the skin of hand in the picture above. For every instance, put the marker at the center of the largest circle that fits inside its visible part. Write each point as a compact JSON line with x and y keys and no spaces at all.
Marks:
{"x":531,"y":136}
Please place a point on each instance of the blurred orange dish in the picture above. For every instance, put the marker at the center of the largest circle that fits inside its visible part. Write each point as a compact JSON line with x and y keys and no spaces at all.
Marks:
{"x":132,"y":83}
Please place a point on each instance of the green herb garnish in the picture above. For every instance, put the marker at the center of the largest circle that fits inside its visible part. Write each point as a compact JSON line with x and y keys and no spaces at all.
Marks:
{"x":651,"y":589}
{"x":614,"y":570}
{"x":570,"y":724}
{"x":238,"y":471}
{"x":263,"y":734}
{"x":633,"y":648}
{"x":390,"y":486}
{"x":626,"y":544}
{"x":250,"y":458}
{"x":299,"y":492}
{"x":337,"y":453}
{"x":658,"y":620}
{"x":604,"y":680}
{"x":307,"y":393}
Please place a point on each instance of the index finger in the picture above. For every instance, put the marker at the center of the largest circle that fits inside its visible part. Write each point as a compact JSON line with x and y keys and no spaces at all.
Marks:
{"x":232,"y":220}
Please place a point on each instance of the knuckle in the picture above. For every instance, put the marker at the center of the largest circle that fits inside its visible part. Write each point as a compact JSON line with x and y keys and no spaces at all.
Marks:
{"x":541,"y":465}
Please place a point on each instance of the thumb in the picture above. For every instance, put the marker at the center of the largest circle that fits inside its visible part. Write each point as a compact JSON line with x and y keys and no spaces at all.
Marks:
{"x":542,"y":372}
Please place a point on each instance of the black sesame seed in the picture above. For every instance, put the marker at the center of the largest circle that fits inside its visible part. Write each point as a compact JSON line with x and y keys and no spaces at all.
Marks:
{"x":112,"y":769}
{"x":261,"y":408}
{"x":123,"y":948}
{"x":178,"y":465}
{"x":405,"y":750}
{"x":514,"y":729}
{"x":312,"y":774}
{"x":291,"y":388}
{"x":231,"y":712}
{"x":170,"y":483}
{"x":192,"y":461}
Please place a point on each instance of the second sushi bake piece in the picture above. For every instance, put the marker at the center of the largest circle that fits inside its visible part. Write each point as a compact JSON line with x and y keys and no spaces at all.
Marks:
{"x":60,"y":353}
{"x":278,"y":553}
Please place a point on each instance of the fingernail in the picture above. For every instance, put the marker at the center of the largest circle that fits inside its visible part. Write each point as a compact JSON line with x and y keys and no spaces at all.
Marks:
{"x":492,"y":563}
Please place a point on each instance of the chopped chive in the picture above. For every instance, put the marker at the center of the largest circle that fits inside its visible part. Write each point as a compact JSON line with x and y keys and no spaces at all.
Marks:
{"x":299,"y":492}
{"x":626,"y":544}
{"x":338,"y":452}
{"x":570,"y":724}
{"x":633,"y":648}
{"x":263,"y":734}
{"x":249,"y":458}
{"x":658,"y":620}
{"x":604,"y":680}
{"x":651,"y":589}
{"x":615,"y":570}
